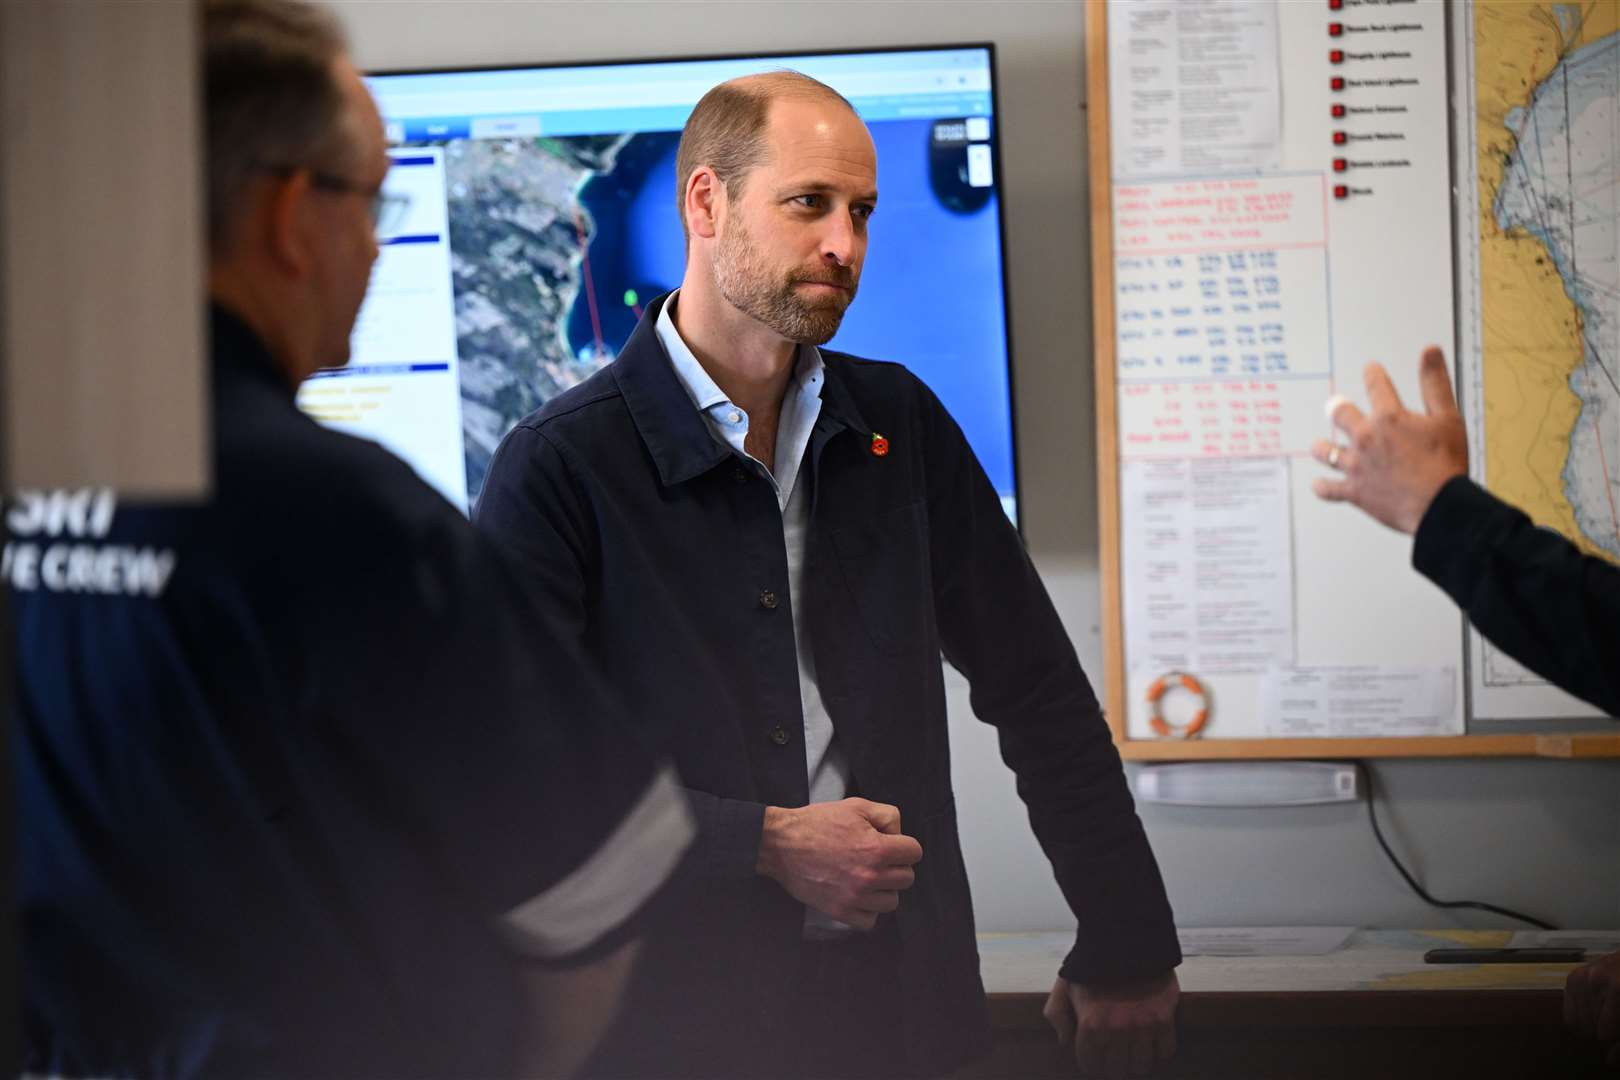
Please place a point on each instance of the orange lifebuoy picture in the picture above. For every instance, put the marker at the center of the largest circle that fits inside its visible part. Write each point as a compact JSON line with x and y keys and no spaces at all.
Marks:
{"x":1161,"y":686}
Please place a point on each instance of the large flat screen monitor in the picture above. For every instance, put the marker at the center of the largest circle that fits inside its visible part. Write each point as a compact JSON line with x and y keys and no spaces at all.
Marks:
{"x":542,"y":219}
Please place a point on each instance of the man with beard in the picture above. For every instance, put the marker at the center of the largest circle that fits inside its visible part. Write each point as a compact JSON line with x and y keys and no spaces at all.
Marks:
{"x":769,"y":547}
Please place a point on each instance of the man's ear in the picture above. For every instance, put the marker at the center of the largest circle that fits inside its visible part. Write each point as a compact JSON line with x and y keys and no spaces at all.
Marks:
{"x":705,"y":196}
{"x":286,"y":209}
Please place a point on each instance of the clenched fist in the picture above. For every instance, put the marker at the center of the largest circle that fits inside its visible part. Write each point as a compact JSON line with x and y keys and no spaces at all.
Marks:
{"x":846,"y":859}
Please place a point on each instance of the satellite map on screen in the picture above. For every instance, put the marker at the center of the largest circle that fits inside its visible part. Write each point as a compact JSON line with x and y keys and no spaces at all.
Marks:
{"x":541,"y":222}
{"x":523,"y":216}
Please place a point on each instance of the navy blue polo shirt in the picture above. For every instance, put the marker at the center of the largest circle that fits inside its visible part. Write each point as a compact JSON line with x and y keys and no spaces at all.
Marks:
{"x":296,"y":775}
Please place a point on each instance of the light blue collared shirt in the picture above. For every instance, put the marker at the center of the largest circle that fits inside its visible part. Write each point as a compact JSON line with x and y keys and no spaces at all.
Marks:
{"x":826,"y":766}
{"x":801,"y":405}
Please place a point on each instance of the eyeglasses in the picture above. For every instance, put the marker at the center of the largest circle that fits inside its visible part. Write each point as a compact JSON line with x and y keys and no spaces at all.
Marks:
{"x":387,"y":207}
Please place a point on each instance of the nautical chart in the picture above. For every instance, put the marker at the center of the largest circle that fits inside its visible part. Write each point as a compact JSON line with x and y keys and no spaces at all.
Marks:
{"x":1539,"y":246}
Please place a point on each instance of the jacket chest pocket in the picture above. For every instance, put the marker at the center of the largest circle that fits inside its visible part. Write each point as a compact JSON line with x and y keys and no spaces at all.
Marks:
{"x":884,"y":564}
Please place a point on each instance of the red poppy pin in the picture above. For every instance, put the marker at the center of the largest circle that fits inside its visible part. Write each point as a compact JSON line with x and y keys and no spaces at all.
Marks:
{"x":880,"y":445}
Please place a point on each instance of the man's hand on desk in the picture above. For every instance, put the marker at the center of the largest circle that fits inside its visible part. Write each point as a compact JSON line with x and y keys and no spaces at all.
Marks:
{"x":846,"y":859}
{"x":1592,"y":1003}
{"x":1124,"y":1028}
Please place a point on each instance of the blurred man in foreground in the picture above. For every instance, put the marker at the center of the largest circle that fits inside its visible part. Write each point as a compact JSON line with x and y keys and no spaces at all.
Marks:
{"x":302,"y":792}
{"x":1539,"y":598}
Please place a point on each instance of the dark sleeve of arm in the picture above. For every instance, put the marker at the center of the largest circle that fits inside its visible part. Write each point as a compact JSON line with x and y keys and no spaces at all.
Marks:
{"x":999,"y":628}
{"x":475,"y":731}
{"x":535,"y":509}
{"x":1534,"y":594}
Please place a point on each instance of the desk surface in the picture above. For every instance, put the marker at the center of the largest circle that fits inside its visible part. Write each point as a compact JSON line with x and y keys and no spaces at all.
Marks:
{"x":1369,"y":1008}
{"x":1372,"y":960}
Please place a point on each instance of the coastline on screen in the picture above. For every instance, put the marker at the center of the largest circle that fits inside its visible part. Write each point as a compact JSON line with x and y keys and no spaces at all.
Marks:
{"x":542,"y":220}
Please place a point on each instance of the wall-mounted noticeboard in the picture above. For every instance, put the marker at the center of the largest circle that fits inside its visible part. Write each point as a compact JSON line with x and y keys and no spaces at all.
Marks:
{"x":1281,"y":192}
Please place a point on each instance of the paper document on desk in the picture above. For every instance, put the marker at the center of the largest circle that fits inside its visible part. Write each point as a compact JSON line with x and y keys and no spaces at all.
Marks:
{"x":1593,"y":941}
{"x":1264,"y":940}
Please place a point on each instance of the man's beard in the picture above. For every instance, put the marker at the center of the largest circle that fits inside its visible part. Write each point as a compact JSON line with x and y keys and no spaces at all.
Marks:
{"x":751,"y":286}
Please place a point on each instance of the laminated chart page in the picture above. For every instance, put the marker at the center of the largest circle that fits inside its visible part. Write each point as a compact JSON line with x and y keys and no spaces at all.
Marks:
{"x":1282,"y":216}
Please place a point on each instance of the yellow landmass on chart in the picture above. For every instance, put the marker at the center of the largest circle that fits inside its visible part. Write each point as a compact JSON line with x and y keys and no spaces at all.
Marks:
{"x":1531,"y":331}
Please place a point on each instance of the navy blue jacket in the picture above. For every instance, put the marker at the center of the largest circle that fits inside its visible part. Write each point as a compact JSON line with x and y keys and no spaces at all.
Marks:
{"x":1542,"y":600}
{"x":271,"y":800}
{"x":634,"y":525}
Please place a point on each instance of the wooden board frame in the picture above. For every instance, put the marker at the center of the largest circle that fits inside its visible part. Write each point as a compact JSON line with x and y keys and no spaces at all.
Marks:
{"x":1533,"y":744}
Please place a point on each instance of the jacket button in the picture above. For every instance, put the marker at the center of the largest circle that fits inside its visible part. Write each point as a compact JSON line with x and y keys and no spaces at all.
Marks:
{"x":767,"y":600}
{"x":779,"y":735}
{"x":740,"y":474}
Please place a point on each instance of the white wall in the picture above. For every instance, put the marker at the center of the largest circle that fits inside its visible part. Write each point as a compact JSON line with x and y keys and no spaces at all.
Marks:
{"x":1539,"y":836}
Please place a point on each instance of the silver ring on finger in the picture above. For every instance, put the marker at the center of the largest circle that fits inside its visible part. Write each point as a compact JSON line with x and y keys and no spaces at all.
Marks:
{"x":1333,"y":457}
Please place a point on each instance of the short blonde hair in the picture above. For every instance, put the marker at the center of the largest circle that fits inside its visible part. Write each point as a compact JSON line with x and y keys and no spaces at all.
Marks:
{"x":726,"y":130}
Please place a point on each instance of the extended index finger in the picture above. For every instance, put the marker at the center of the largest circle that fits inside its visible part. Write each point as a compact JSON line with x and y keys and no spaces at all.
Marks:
{"x":1380,"y":391}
